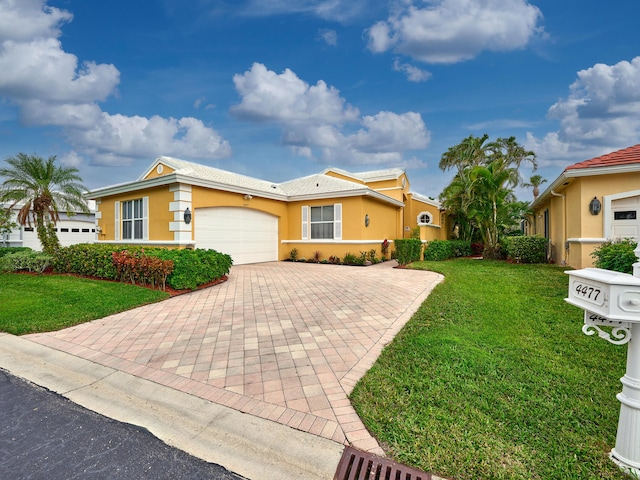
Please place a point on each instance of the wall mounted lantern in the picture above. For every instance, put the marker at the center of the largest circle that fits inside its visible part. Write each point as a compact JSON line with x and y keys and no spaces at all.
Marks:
{"x":595,"y":206}
{"x":187,"y":216}
{"x":366,"y":220}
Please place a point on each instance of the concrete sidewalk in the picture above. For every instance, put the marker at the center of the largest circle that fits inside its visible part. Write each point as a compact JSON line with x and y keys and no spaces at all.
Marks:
{"x":253,"y":447}
{"x":254,"y":373}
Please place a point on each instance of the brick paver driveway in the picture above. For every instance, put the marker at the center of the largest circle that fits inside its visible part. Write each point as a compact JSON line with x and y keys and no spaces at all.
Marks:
{"x":282,"y":341}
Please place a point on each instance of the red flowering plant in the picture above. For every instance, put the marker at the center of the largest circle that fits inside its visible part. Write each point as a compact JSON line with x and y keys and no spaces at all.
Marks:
{"x":384,"y":248}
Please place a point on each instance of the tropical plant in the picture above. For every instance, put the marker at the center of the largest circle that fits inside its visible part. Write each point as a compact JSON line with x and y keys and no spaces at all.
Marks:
{"x":42,"y":190}
{"x":6,"y":224}
{"x":480,"y":198}
{"x":534,"y":182}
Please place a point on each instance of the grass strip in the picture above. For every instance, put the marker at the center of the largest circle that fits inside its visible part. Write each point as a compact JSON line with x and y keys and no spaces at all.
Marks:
{"x":492,"y":378}
{"x":43,"y":303}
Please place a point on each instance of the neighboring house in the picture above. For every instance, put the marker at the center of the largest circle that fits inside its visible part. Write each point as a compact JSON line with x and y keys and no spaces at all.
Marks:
{"x":589,"y":203}
{"x":181,"y":204}
{"x":78,"y":228}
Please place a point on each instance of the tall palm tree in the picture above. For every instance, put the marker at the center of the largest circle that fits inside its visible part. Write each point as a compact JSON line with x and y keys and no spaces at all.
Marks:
{"x":481,"y":193}
{"x":43,"y":189}
{"x":535,"y":181}
{"x":470,"y":152}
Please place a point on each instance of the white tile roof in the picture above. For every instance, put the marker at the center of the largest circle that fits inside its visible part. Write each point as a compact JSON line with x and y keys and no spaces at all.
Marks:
{"x":204,"y":172}
{"x":370,"y":176}
{"x":313,"y":186}
{"x":320,"y":184}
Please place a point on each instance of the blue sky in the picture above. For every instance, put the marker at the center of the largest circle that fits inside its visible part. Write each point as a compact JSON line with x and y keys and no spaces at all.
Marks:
{"x":279,"y":89}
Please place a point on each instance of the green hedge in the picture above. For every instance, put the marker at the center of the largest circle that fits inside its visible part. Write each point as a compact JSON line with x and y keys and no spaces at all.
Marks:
{"x":407,"y":250}
{"x":618,"y":255}
{"x":194,"y":267}
{"x":191,"y":268}
{"x":437,"y":250}
{"x":526,"y":249}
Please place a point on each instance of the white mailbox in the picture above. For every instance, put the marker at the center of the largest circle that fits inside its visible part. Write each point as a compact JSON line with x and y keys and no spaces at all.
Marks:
{"x":611,"y":300}
{"x":613,"y":295}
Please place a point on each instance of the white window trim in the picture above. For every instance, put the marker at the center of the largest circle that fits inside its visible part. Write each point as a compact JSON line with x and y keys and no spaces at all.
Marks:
{"x":337,"y":223}
{"x":423,"y":223}
{"x":117,"y":228}
{"x":607,"y":211}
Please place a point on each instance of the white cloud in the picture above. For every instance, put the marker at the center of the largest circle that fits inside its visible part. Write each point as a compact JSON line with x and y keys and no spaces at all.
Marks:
{"x":413,"y":73}
{"x":268,"y":96}
{"x":314,"y":119}
{"x":337,"y":10}
{"x":600,"y":114}
{"x":450,"y":31}
{"x":51,"y":87}
{"x":330,"y":37}
{"x":24,"y":20}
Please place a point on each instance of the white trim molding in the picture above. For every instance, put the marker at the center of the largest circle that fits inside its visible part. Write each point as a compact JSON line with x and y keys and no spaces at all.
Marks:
{"x":607,"y":212}
{"x":586,"y":240}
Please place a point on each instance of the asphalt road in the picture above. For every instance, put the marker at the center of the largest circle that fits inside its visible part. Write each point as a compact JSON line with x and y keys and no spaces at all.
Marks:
{"x":45,"y":436}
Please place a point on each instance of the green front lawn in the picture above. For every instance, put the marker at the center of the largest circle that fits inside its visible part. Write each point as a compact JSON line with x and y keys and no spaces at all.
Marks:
{"x":42,"y":303}
{"x":493,"y":378}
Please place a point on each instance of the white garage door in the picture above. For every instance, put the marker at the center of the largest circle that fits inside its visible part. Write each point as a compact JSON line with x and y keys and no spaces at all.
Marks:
{"x":247,"y":235}
{"x":626,"y":218}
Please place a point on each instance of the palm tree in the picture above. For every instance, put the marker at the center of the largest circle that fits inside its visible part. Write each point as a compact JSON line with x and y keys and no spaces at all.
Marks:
{"x":470,"y":152}
{"x":535,"y":181}
{"x":43,"y":189}
{"x":481,"y":193}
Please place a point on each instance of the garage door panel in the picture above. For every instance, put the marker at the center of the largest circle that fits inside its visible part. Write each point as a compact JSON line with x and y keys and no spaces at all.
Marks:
{"x":249,"y":236}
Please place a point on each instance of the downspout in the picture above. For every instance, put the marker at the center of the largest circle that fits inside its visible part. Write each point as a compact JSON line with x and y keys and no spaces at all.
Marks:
{"x":564,"y":224}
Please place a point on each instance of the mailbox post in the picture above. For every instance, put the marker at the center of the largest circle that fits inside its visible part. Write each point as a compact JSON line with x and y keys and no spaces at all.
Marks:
{"x":611,"y":304}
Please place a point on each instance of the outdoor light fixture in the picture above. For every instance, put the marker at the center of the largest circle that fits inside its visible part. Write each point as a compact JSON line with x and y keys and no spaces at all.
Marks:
{"x":595,"y":206}
{"x":366,"y":220}
{"x":187,"y":216}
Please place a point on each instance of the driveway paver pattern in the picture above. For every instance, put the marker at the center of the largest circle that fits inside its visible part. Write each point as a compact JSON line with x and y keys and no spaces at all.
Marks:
{"x":282,"y":341}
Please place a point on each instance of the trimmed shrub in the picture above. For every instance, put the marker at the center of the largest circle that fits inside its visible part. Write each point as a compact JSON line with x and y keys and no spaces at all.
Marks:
{"x":142,"y":269}
{"x":8,"y":250}
{"x":618,"y":255}
{"x":27,"y":260}
{"x":89,"y":260}
{"x":191,"y":268}
{"x":407,"y":250}
{"x":437,"y":250}
{"x":526,"y":249}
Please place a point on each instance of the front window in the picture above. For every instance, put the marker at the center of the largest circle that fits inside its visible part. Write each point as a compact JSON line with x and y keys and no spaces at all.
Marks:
{"x":424,"y":218}
{"x":322,"y":222}
{"x":132,"y":219}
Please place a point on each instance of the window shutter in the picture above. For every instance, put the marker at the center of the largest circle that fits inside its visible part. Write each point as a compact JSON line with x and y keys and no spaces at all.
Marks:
{"x":116,"y":226}
{"x":145,"y":218}
{"x":305,"y":223}
{"x":337,"y":221}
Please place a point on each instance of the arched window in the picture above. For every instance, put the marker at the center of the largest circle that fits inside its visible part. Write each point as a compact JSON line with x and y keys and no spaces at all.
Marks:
{"x":424,"y":218}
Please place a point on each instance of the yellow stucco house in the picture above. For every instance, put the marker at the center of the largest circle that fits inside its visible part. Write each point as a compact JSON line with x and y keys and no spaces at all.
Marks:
{"x":181,"y":204}
{"x":589,"y":203}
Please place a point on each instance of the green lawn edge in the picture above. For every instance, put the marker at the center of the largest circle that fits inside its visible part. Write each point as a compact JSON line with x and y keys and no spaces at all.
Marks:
{"x":43,"y":303}
{"x":493,"y":378}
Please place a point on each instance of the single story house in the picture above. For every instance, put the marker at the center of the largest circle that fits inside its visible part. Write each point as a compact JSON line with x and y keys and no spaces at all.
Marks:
{"x":589,"y":203}
{"x":181,"y":204}
{"x":77,"y":228}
